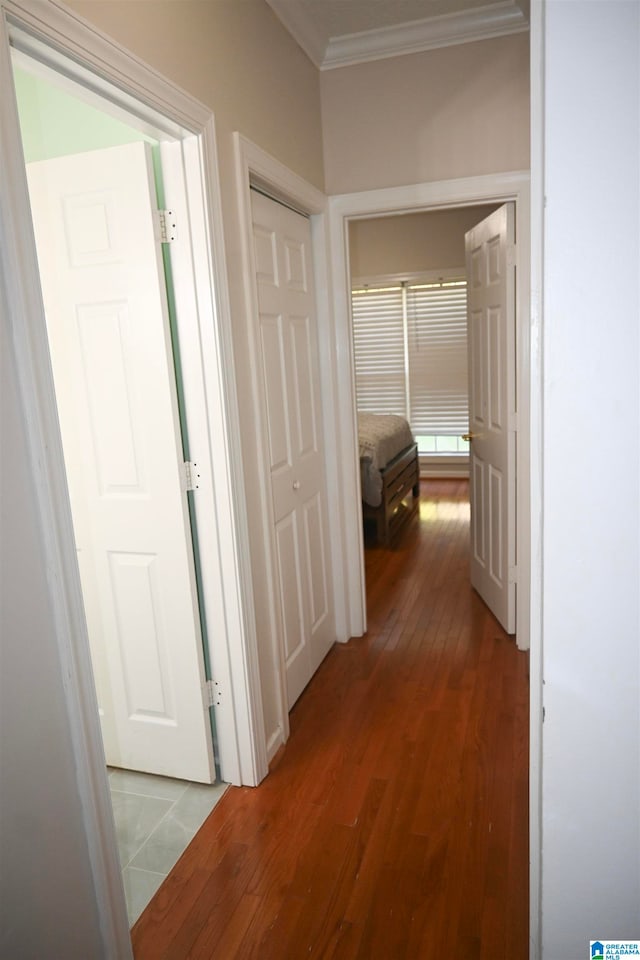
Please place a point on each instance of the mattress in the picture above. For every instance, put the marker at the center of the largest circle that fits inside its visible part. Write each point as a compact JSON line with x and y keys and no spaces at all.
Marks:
{"x":381,"y":438}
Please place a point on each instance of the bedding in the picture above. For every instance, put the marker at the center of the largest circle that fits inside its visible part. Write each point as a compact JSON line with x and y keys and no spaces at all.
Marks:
{"x":381,"y":438}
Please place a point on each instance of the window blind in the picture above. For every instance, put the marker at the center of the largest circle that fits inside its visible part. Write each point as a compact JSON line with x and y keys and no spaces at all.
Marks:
{"x":410,"y":349}
{"x":437,"y":348}
{"x":379,"y":350}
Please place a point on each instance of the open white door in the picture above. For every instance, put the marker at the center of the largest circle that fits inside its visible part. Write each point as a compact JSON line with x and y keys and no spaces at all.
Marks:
{"x":490,"y":260}
{"x":288,"y":340}
{"x":105,"y":303}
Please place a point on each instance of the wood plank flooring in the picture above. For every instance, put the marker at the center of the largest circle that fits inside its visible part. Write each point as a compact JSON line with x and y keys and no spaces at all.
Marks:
{"x":394,"y":823}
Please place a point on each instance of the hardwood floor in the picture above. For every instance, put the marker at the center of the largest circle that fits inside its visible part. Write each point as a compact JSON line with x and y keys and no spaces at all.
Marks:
{"x":394,"y":823}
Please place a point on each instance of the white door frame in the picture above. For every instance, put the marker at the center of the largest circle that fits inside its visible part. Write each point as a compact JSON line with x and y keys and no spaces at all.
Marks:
{"x":410,"y":199}
{"x":255,"y":166}
{"x":50,"y":26}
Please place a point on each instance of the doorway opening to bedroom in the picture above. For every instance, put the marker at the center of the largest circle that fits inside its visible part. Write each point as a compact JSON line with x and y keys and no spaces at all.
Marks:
{"x":433,"y":299}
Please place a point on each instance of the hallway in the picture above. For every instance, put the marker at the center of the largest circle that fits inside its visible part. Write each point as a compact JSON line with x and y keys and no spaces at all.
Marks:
{"x":394,"y":822}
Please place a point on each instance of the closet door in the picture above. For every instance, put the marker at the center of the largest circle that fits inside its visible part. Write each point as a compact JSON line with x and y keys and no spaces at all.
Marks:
{"x":287,"y":337}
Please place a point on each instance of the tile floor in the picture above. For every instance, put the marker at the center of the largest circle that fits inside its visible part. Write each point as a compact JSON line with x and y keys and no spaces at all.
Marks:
{"x":156,"y":818}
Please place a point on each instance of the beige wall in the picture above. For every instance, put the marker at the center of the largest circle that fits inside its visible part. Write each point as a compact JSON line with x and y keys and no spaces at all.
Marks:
{"x":412,"y":243}
{"x":452,"y":112}
{"x":235,"y":57}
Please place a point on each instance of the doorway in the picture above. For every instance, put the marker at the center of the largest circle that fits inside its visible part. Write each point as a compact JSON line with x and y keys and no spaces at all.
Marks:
{"x":69,"y":135}
{"x":494,"y":190}
{"x":89,"y":165}
{"x":415,"y":291}
{"x":104,"y":284}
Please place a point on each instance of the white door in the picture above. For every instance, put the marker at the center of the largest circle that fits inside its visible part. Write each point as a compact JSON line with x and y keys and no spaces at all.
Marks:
{"x":490,"y":264}
{"x":105,"y":304}
{"x":288,"y":341}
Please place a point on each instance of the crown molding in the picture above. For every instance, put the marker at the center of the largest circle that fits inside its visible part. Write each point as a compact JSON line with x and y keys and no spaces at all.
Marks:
{"x":480,"y":23}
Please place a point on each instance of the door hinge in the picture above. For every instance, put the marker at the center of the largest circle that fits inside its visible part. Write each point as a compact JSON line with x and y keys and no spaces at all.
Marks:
{"x":513,"y":574}
{"x":513,"y":421}
{"x":212,"y":693}
{"x":511,"y":255}
{"x":165,"y":226}
{"x":191,"y":475}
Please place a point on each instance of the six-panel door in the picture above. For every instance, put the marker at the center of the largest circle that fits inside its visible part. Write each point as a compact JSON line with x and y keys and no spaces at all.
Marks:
{"x":288,"y":343}
{"x":105,"y":304}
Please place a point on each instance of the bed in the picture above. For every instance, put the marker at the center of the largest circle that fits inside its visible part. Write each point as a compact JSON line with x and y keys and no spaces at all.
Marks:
{"x":389,"y":473}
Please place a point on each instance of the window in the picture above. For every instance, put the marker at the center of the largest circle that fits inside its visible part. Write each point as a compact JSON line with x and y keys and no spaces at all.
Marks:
{"x":379,"y":350}
{"x":410,"y":348}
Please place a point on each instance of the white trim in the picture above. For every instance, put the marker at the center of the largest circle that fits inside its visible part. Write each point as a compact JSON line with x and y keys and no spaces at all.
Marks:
{"x":422,"y":276}
{"x":205,"y":410}
{"x":224,"y":436}
{"x":55,"y":25}
{"x":464,"y":26}
{"x":254,"y":165}
{"x":393,"y":200}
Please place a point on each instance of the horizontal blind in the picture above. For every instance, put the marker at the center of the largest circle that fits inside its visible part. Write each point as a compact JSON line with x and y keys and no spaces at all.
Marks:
{"x":379,"y":350}
{"x":437,"y":346}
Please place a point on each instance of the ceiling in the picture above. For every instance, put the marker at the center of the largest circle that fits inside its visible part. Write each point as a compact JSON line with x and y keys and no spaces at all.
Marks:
{"x":337,"y":33}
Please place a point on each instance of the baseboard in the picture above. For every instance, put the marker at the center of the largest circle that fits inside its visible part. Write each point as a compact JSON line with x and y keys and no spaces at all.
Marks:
{"x":275,"y":741}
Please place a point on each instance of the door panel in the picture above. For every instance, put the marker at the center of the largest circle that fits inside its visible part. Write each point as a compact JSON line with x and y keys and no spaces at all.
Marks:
{"x":292,"y":603}
{"x":316,"y":562}
{"x":288,"y":338}
{"x":273,"y":360}
{"x":105,"y":304}
{"x":303,"y":384}
{"x":495,"y":373}
{"x":496,"y":532}
{"x":491,"y":338}
{"x":478,"y":552}
{"x":104,"y":341}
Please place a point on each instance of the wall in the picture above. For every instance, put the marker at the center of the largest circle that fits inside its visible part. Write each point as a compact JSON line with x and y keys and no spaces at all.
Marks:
{"x":236,"y":58}
{"x":55,"y":124}
{"x":453,"y":112}
{"x":591,"y":563}
{"x":46,"y":889}
{"x":412,"y":243}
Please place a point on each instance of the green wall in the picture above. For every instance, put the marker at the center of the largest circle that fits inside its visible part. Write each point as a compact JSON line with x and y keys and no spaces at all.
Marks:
{"x":54,"y":122}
